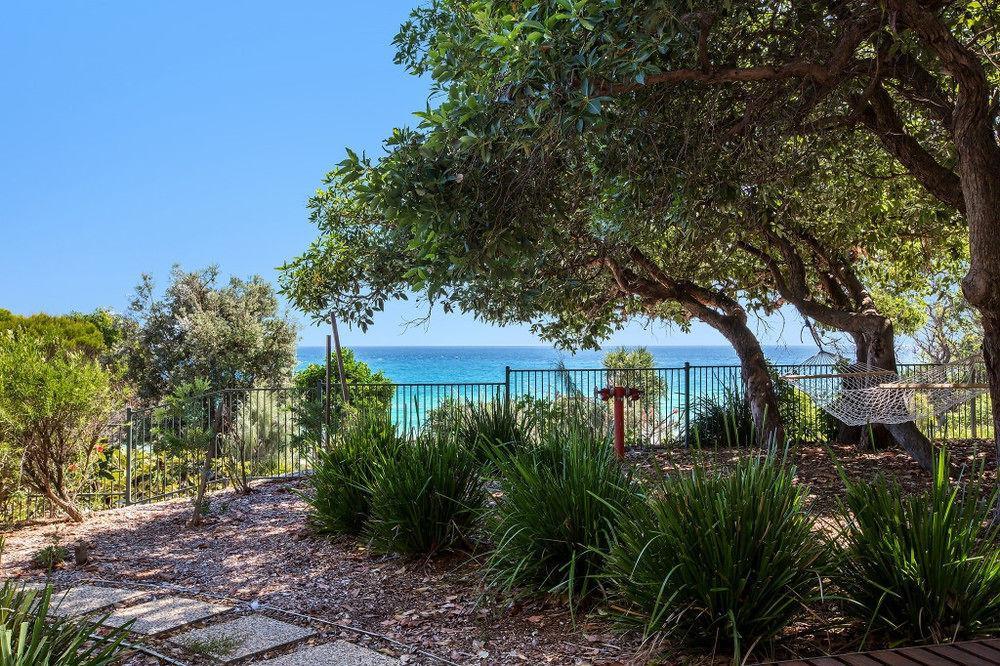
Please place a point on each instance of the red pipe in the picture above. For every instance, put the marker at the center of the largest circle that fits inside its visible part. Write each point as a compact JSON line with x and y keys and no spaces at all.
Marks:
{"x":619,"y":422}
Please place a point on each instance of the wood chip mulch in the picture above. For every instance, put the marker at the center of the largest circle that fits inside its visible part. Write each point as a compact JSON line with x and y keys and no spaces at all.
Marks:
{"x":259,"y":548}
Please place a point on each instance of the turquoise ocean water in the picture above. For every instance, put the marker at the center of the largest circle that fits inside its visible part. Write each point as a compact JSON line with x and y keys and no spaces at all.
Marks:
{"x":486,"y":364}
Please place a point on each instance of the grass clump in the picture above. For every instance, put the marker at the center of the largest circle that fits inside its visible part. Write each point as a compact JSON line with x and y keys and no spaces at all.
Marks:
{"x":498,"y":427}
{"x":340,"y":501}
{"x":30,"y":635}
{"x":556,"y":518}
{"x":220,"y":646}
{"x":720,"y":557}
{"x":426,"y":497}
{"x":725,"y":420}
{"x":50,"y":557}
{"x":922,"y":567}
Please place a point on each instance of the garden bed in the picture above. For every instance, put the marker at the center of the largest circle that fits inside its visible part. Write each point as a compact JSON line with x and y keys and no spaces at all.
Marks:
{"x":258,"y":547}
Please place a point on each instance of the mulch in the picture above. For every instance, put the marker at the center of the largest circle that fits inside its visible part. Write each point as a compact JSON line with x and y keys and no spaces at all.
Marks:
{"x":259,"y":547}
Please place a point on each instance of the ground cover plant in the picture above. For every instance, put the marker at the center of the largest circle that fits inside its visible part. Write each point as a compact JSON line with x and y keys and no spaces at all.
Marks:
{"x":427,"y":496}
{"x":554,"y":521}
{"x":498,"y":427}
{"x":922,"y":567}
{"x":343,"y":474}
{"x":723,"y":420}
{"x":720,"y":558}
{"x":31,"y":636}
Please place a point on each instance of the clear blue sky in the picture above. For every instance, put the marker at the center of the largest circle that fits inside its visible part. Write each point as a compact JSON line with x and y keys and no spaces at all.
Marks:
{"x":136,"y":135}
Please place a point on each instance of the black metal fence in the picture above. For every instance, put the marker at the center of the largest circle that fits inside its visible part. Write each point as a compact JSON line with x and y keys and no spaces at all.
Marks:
{"x":157,"y":452}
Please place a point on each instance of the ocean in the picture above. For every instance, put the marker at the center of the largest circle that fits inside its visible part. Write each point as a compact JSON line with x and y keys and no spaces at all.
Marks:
{"x":486,"y":364}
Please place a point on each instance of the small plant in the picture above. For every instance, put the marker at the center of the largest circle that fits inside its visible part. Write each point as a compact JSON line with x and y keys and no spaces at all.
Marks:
{"x":341,"y":482}
{"x":426,"y":497}
{"x":50,"y":557}
{"x":555,"y":520}
{"x":29,"y":635}
{"x":715,"y":557}
{"x":723,"y":421}
{"x":220,"y":646}
{"x":495,"y":428}
{"x":922,"y":567}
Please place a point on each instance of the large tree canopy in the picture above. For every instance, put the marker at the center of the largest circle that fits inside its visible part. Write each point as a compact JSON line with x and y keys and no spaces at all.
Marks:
{"x":231,"y":335}
{"x":587,"y":162}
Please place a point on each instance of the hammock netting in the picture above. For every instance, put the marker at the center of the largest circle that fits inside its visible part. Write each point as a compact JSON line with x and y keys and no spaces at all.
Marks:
{"x":858,"y":394}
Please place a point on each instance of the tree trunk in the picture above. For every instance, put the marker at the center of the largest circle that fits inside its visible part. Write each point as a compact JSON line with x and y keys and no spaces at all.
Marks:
{"x":881,"y":353}
{"x":64,"y":504}
{"x":756,"y":378}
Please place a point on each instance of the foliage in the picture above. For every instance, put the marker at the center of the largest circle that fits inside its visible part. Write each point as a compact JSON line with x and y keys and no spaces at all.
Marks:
{"x":370,"y":395}
{"x":952,"y":329}
{"x":49,"y":557}
{"x":10,"y":478}
{"x":921,"y":567}
{"x":720,"y":556}
{"x":230,"y":335}
{"x":804,"y":421}
{"x":181,"y":424}
{"x":54,"y":404}
{"x":427,"y":497}
{"x":496,"y":428}
{"x":30,"y":635}
{"x":723,"y":420}
{"x":340,"y":501}
{"x":254,"y":436}
{"x":556,"y":517}
{"x":57,"y":334}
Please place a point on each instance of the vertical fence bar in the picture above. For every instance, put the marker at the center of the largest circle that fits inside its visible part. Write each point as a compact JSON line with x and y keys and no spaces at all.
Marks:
{"x":506,"y":387}
{"x":687,"y":404}
{"x":129,"y":444}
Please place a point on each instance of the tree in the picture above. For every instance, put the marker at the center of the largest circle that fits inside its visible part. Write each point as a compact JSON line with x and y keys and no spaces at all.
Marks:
{"x":232,"y":336}
{"x":917,"y":76}
{"x":59,"y":333}
{"x":54,"y":405}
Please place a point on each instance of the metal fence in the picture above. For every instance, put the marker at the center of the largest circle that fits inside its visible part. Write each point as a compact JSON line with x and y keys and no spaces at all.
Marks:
{"x":157,"y":452}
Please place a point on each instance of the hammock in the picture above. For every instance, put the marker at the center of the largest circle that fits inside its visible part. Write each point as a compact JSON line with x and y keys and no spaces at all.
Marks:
{"x":858,"y":394}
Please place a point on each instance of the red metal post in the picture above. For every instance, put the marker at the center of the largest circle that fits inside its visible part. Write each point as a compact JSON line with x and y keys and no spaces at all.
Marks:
{"x":619,"y":394}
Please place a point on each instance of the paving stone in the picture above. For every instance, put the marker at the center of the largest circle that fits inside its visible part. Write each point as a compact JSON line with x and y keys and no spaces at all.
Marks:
{"x":164,"y":614}
{"x":332,"y":654}
{"x":90,"y":598}
{"x":242,"y":637}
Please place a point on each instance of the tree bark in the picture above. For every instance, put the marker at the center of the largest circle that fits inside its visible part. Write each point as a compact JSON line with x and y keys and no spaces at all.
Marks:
{"x":64,"y":504}
{"x":756,"y":376}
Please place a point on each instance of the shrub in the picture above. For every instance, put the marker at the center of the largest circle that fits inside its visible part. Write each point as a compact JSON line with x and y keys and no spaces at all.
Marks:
{"x":342,"y":476}
{"x":716,"y":556}
{"x":30,"y":635}
{"x":923,"y":567}
{"x":496,"y":428}
{"x":426,"y":497}
{"x":54,"y":405}
{"x":49,"y":557}
{"x":804,"y":421}
{"x":555,"y":520}
{"x":722,"y":421}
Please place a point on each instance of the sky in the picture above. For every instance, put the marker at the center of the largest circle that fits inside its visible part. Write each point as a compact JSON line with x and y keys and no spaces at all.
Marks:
{"x":138,"y":135}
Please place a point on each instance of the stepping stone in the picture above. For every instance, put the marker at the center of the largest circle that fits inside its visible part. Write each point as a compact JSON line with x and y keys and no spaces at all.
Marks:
{"x":242,"y":637}
{"x":164,"y":614}
{"x":340,"y":653}
{"x":89,"y":598}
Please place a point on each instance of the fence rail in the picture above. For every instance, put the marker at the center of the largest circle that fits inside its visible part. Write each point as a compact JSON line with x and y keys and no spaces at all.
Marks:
{"x":156,"y":453}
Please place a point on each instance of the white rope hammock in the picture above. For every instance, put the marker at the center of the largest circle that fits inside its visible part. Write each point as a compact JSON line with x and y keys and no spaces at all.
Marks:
{"x":858,"y":394}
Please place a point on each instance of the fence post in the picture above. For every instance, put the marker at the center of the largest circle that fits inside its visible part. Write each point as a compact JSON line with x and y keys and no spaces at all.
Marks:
{"x":506,"y":386}
{"x":972,"y":406}
{"x":129,"y":446}
{"x":687,"y":403}
{"x":326,"y":397}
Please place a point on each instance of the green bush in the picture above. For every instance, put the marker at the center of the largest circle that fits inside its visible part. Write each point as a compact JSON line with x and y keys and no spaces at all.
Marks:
{"x":555,"y":520}
{"x":922,"y":567}
{"x":49,"y":557}
{"x":720,"y":556}
{"x":804,"y":421}
{"x":30,"y":636}
{"x":425,"y":497}
{"x":496,"y":428}
{"x":340,"y":501}
{"x":722,"y":421}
